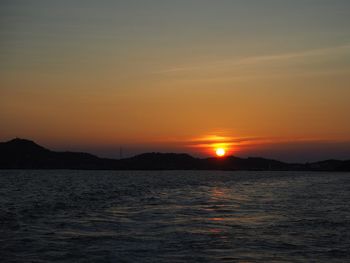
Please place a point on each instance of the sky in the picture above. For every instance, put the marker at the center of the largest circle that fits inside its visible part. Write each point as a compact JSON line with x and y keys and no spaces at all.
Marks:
{"x":259,"y":78}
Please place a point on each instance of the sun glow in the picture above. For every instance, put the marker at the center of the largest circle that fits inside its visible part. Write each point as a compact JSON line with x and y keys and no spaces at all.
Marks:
{"x":220,"y":152}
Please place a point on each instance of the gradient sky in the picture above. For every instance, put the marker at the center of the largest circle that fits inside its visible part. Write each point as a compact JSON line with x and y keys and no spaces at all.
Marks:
{"x":268,"y":78}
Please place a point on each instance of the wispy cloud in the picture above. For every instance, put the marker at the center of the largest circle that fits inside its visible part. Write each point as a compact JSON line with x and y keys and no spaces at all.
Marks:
{"x":256,"y":60}
{"x":212,"y":141}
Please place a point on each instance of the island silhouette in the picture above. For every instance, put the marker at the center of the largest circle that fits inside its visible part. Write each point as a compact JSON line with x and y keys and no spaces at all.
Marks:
{"x":26,"y":154}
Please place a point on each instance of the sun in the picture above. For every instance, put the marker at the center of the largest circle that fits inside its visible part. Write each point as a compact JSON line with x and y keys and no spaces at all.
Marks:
{"x":220,"y":152}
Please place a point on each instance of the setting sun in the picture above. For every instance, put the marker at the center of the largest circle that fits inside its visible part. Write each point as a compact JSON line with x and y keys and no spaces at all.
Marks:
{"x":220,"y":152}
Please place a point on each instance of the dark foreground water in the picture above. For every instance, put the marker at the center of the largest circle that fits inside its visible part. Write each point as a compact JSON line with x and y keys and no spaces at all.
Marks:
{"x":177,"y":216}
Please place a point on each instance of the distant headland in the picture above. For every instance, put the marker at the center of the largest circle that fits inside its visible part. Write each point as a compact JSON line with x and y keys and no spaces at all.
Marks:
{"x":26,"y":154}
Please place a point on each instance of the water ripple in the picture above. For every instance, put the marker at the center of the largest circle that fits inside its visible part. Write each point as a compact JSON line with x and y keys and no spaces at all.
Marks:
{"x":175,"y":216}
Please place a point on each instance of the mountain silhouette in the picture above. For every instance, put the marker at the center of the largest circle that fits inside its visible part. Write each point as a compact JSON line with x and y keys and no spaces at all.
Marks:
{"x":26,"y":154}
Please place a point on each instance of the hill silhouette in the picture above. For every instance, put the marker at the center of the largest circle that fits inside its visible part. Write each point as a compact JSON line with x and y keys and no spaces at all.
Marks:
{"x":26,"y":154}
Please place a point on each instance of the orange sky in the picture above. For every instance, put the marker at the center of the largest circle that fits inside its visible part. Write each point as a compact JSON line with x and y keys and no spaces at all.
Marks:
{"x":262,"y":79}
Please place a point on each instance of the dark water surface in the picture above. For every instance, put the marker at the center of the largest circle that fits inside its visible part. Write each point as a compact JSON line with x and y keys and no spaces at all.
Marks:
{"x":174,"y":216}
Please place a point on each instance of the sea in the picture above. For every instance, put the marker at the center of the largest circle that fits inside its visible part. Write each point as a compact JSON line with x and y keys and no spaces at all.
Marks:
{"x":174,"y":216}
